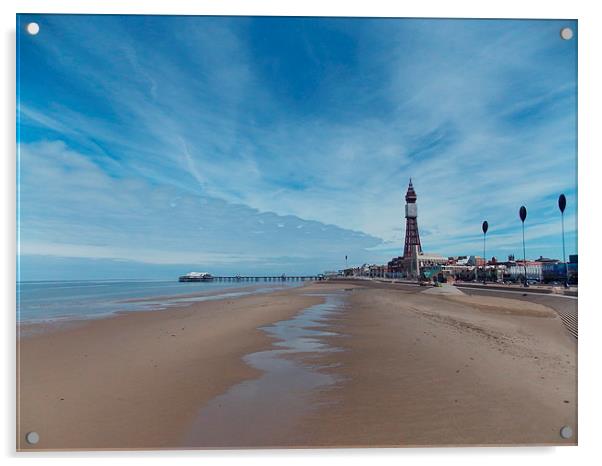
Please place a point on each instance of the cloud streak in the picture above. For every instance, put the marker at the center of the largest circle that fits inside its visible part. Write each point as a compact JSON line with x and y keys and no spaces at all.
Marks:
{"x":315,"y":125}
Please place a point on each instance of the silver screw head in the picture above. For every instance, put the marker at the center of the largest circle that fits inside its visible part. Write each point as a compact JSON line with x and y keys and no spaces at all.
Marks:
{"x":32,"y":438}
{"x":566,"y":432}
{"x":566,"y":33}
{"x":32,"y":28}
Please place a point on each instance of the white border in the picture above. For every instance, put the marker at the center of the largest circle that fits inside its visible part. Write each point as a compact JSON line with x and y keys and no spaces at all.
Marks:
{"x":590,"y":152}
{"x":430,"y":8}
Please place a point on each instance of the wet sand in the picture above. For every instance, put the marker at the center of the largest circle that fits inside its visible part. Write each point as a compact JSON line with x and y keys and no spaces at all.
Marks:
{"x":322,"y":365}
{"x":265,"y":411}
{"x":137,"y":380}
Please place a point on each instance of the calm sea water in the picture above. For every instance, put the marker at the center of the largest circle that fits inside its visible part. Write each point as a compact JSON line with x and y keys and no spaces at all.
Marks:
{"x":56,"y":300}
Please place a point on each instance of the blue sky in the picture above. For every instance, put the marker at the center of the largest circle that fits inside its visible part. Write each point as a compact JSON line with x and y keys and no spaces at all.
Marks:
{"x":150,"y":146}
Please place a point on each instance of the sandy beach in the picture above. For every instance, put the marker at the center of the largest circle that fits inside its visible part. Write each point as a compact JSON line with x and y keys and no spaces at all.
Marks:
{"x":136,"y":380}
{"x":423,"y":369}
{"x":378,"y":367}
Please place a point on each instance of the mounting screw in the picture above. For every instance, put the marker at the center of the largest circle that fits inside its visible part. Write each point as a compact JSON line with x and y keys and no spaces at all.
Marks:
{"x":566,"y":432}
{"x":566,"y":33}
{"x":32,"y":438}
{"x":32,"y":28}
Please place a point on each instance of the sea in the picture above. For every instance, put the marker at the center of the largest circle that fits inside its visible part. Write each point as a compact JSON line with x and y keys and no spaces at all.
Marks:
{"x":49,"y":301}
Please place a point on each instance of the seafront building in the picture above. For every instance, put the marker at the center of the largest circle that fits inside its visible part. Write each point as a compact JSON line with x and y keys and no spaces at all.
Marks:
{"x":462,"y":269}
{"x":416,"y":264}
{"x":533,"y":270}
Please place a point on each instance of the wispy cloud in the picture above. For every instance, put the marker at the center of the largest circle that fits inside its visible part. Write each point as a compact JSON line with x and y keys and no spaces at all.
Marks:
{"x":315,"y":125}
{"x":72,"y":208}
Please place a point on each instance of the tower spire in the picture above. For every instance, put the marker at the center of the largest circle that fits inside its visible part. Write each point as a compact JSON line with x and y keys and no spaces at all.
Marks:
{"x":411,"y":194}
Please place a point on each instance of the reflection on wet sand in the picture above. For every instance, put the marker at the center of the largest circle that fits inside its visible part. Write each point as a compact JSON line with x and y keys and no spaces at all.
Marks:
{"x":264,"y":411}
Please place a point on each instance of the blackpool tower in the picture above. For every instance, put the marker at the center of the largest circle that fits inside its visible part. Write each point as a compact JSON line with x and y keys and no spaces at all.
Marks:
{"x":412,"y":236}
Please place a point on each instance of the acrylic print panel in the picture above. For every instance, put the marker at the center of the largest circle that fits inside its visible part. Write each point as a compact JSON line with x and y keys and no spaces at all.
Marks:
{"x":296,"y":232}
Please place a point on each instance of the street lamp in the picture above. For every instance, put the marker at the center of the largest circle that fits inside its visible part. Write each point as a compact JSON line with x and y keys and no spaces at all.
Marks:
{"x":485,"y":228}
{"x":523,"y":215}
{"x":562,"y":206}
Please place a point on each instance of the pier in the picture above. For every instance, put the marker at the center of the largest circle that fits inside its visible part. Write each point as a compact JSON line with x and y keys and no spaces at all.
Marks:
{"x":268,"y":278}
{"x":207,"y":277}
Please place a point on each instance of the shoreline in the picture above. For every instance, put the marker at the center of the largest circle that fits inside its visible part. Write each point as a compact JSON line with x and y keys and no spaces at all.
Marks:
{"x":136,"y":380}
{"x":30,"y":327}
{"x":267,"y":286}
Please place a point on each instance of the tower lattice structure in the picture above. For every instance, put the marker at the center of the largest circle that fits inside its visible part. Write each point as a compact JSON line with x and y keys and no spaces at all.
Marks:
{"x":412,"y":235}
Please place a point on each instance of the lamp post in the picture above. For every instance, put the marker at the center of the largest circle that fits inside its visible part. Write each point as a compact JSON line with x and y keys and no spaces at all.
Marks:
{"x":562,"y":206}
{"x":485,"y":228}
{"x":523,"y":215}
